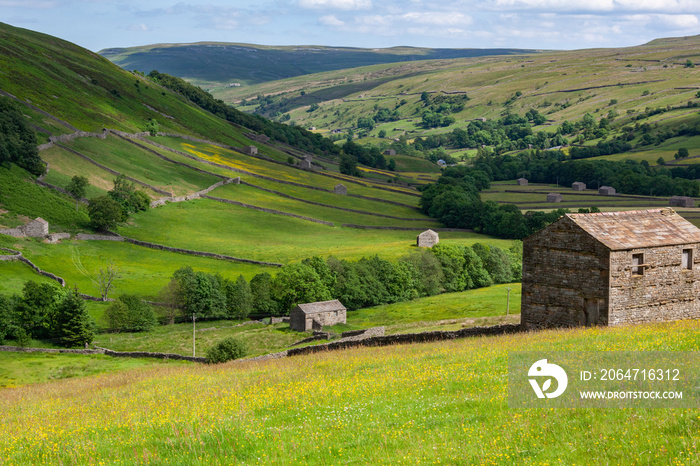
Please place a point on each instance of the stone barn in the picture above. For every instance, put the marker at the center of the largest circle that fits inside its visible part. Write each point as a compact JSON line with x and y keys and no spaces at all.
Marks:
{"x":681,"y":201}
{"x":306,"y":164}
{"x":554,"y":197}
{"x":340,"y":189}
{"x":522,"y":181}
{"x":606,"y":190}
{"x":427,"y":239}
{"x":250,"y":150}
{"x":36,"y":228}
{"x":578,"y":186}
{"x":390,"y":152}
{"x":313,"y":316}
{"x":611,"y":268}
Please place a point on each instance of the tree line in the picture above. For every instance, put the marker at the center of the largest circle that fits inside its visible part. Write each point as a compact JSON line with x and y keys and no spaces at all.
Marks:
{"x":369,"y":281}
{"x":18,"y":143}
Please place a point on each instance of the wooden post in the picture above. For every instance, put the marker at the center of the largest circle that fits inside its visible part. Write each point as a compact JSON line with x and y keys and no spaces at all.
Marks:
{"x":508,"y":301}
{"x":194,"y":350}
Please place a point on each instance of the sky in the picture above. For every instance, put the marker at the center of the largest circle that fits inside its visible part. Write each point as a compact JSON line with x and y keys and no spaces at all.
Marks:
{"x":531,"y":24}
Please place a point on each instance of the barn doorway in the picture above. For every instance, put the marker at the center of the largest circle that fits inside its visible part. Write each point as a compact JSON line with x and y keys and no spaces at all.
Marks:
{"x":591,"y":311}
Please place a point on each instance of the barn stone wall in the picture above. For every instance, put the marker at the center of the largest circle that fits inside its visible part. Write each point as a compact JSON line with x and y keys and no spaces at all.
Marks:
{"x":302,"y":322}
{"x":664,"y":292}
{"x":562,"y":267}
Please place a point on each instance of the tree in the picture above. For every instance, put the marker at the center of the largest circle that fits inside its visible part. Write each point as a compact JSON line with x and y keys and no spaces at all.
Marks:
{"x":660,"y":161}
{"x":261,"y":287}
{"x":73,"y":324}
{"x":18,"y":139}
{"x":170,"y":301}
{"x":128,"y":197}
{"x":105,"y":278}
{"x":382,"y":133}
{"x":348,"y":165}
{"x":428,"y":281}
{"x":202,"y":294}
{"x":239,"y":298}
{"x":77,"y":188}
{"x":297,"y":284}
{"x":152,"y":127}
{"x":226,"y":350}
{"x":34,"y":311}
{"x":130,"y":313}
{"x":104,"y":213}
{"x":681,"y":154}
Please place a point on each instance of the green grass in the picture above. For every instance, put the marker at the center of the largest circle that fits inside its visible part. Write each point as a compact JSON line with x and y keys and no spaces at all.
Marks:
{"x":30,"y":200}
{"x":18,"y":369}
{"x":251,"y":234}
{"x":441,"y":402}
{"x":131,"y":160}
{"x":177,"y":338}
{"x":283,"y":172}
{"x":14,"y":274}
{"x":259,"y":198}
{"x":465,"y":305}
{"x":143,"y":271}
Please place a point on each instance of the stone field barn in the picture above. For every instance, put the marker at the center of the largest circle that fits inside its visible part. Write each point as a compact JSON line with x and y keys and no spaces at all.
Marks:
{"x":611,"y":268}
{"x":313,"y":316}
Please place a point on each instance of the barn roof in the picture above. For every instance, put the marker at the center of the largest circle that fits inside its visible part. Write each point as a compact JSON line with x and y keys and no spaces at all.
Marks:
{"x":638,"y":228}
{"x":430,"y":233}
{"x":321,"y":306}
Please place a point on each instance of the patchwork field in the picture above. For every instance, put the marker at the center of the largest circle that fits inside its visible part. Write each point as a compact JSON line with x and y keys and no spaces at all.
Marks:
{"x":441,"y":402}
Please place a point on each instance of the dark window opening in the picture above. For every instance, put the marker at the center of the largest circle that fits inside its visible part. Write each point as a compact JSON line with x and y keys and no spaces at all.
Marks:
{"x":637,"y":264}
{"x":687,"y":259}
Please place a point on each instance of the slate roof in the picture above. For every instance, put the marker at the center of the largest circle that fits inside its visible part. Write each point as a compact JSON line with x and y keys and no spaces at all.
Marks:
{"x":430,"y":233}
{"x":321,"y":306}
{"x":638,"y":228}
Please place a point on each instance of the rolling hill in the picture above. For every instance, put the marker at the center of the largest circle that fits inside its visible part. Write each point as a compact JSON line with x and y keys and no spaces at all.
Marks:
{"x":278,"y":213}
{"x":216,"y":64}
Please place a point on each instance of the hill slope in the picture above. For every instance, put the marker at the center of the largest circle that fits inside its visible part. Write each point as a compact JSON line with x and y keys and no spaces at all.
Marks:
{"x":212,"y":64}
{"x":560,"y":85}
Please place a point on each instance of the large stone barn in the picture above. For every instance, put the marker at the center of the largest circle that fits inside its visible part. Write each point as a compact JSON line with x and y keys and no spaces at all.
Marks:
{"x":313,"y":316}
{"x":611,"y":268}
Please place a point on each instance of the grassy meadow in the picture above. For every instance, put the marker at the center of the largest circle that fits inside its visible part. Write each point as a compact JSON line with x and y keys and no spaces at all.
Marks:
{"x":442,"y":402}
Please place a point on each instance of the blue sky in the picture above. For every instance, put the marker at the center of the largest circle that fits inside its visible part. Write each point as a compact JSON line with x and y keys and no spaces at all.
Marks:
{"x":538,"y":24}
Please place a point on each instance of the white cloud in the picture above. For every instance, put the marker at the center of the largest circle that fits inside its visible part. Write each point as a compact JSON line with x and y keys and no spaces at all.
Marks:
{"x":330,"y":20}
{"x":602,"y":6}
{"x":437,"y":18}
{"x":33,"y":4}
{"x":671,"y":21}
{"x":337,"y":4}
{"x":139,"y":27}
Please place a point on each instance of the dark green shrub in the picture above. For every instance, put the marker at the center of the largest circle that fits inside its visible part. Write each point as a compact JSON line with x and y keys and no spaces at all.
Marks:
{"x":226,"y":350}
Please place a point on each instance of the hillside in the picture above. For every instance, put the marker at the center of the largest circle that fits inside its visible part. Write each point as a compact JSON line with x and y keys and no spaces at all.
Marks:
{"x":562,"y":86}
{"x":443,"y":402}
{"x":215,"y":64}
{"x":278,"y":214}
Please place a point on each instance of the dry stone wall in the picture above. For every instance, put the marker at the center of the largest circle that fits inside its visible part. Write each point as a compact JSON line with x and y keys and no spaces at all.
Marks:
{"x":407,"y":338}
{"x":278,"y":193}
{"x":198,"y":253}
{"x":269,"y":211}
{"x":375,"y":227}
{"x":114,"y":172}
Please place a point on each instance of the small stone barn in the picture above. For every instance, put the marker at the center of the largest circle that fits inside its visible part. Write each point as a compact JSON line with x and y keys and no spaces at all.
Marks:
{"x":340,"y":189}
{"x":681,"y":201}
{"x":611,"y":268}
{"x":606,"y":190}
{"x":250,"y":150}
{"x":522,"y":181}
{"x":313,"y":316}
{"x":306,"y":164}
{"x":554,"y":197}
{"x":578,"y":186}
{"x":390,"y":152}
{"x":36,"y":228}
{"x":427,"y":239}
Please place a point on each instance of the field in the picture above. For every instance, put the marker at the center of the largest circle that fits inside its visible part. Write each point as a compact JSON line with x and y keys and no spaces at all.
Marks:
{"x":423,"y":403}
